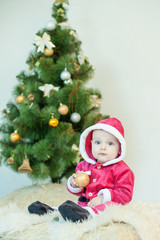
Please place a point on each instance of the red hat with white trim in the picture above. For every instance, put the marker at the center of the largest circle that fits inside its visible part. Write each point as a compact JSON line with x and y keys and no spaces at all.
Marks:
{"x":110,"y":125}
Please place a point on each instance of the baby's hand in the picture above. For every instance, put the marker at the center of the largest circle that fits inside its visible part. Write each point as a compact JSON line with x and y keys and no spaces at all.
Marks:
{"x":96,"y":201}
{"x":72,"y":180}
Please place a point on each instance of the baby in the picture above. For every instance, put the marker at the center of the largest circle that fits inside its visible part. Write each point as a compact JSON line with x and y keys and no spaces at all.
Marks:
{"x":102,"y":147}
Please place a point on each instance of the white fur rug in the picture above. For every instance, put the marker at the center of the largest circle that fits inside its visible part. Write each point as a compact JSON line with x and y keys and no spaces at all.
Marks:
{"x":135,"y":221}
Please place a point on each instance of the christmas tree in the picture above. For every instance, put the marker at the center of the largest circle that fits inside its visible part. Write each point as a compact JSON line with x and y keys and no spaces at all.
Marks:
{"x":51,"y":105}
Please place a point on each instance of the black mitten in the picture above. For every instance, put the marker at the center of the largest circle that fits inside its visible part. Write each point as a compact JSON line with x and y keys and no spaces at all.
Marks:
{"x":39,"y":208}
{"x":73,"y":212}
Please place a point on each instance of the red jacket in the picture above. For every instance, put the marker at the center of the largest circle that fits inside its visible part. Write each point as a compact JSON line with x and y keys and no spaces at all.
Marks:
{"x":115,"y":182}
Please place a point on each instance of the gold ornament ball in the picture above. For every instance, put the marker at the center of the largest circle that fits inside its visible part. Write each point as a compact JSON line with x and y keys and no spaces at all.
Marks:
{"x":15,"y":137}
{"x":82,"y":179}
{"x":53,"y":122}
{"x":63,"y":109}
{"x":48,"y":52}
{"x":20,"y":99}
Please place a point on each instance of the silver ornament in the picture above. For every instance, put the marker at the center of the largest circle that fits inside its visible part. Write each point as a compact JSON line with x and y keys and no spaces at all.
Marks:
{"x":65,"y":75}
{"x":51,"y":25}
{"x":75,"y":117}
{"x":68,"y":81}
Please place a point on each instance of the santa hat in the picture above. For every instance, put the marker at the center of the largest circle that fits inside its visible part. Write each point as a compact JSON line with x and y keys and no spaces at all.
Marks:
{"x":110,"y":125}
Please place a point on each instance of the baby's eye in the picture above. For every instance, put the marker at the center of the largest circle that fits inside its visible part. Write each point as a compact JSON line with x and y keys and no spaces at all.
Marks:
{"x":97,"y":142}
{"x":110,"y":143}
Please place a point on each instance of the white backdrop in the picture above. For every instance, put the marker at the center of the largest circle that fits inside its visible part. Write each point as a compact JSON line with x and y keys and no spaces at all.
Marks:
{"x":121,"y":38}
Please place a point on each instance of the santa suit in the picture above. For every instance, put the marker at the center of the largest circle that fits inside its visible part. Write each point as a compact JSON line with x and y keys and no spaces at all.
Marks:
{"x":113,"y":179}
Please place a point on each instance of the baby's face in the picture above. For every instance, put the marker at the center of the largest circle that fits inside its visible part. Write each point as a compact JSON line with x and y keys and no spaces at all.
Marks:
{"x":105,"y":146}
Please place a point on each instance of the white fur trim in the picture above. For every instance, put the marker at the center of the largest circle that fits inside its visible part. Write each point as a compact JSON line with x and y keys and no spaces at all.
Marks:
{"x":106,"y":128}
{"x":55,"y":208}
{"x":91,"y":212}
{"x":106,"y":195}
{"x":88,"y":172}
{"x":73,"y":189}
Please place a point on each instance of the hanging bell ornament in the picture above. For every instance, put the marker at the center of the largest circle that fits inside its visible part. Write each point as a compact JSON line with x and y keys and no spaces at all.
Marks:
{"x":48,"y":52}
{"x":51,"y":25}
{"x":61,"y":2}
{"x":81,"y":179}
{"x":15,"y":137}
{"x":10,"y":160}
{"x":75,"y":117}
{"x":63,"y":109}
{"x":20,"y":98}
{"x":31,"y":97}
{"x":53,"y":122}
{"x":65,"y":75}
{"x":77,"y":67}
{"x":25,"y":167}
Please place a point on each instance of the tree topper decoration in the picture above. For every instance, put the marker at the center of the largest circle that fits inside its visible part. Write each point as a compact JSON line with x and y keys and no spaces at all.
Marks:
{"x":61,"y":1}
{"x":46,"y":88}
{"x":43,"y":41}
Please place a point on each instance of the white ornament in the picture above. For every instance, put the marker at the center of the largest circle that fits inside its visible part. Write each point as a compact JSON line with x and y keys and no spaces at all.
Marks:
{"x":75,"y":147}
{"x":64,"y":25}
{"x":96,"y":102}
{"x":47,"y":88}
{"x":51,"y":25}
{"x":65,"y":75}
{"x":73,"y":33}
{"x":75,"y":117}
{"x":81,"y":57}
{"x":43,"y":41}
{"x":68,"y":81}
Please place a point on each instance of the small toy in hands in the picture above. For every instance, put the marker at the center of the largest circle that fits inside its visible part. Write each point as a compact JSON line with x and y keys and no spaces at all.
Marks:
{"x":81,"y":179}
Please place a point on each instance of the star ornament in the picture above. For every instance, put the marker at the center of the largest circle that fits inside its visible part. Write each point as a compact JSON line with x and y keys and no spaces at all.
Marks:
{"x":95,"y":100}
{"x":46,"y":88}
{"x":61,"y":2}
{"x":43,"y":41}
